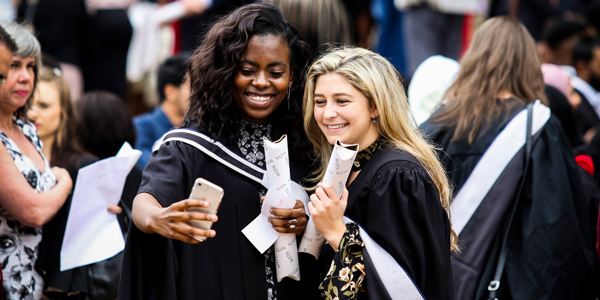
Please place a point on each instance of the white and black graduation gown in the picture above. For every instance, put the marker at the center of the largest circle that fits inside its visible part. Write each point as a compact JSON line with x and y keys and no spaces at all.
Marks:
{"x":227,"y":266}
{"x":550,"y":247}
{"x":396,"y":202}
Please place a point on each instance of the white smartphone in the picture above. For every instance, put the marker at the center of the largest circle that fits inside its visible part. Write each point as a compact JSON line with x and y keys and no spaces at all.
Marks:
{"x":210,"y":192}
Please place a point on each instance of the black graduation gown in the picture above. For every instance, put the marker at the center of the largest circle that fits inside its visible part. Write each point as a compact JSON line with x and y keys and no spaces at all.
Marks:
{"x":395,"y":201}
{"x":227,"y":266}
{"x":48,"y":263}
{"x":550,"y":253}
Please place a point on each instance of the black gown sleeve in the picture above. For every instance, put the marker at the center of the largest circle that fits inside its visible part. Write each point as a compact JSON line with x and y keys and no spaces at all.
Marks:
{"x":150,"y":267}
{"x":405,"y":216}
{"x":169,"y":172}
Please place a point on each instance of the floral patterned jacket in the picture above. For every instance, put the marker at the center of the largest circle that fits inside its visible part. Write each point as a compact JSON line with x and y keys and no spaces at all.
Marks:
{"x":347,"y":272}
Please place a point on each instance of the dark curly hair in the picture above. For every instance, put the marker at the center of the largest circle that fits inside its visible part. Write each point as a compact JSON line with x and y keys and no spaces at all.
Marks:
{"x":214,"y":64}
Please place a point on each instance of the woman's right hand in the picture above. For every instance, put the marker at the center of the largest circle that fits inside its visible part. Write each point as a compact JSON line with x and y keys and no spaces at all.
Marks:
{"x":62,"y":176}
{"x":172,"y":221}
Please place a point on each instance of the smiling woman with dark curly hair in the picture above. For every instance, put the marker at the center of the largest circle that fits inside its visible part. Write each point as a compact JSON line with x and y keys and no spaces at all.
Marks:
{"x":246,"y":83}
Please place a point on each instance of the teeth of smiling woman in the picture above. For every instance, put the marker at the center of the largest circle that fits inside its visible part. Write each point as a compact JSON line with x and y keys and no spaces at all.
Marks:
{"x":259,"y":98}
{"x":336,"y":126}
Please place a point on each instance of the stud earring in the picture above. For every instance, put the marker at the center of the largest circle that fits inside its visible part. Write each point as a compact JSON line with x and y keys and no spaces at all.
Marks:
{"x":374,"y":121}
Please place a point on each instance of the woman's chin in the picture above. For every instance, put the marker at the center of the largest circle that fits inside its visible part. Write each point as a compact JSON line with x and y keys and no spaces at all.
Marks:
{"x":332,"y":139}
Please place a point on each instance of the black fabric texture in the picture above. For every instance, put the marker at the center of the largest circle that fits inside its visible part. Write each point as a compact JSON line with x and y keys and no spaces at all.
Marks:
{"x":224,"y":267}
{"x":396,"y":202}
{"x":550,"y":246}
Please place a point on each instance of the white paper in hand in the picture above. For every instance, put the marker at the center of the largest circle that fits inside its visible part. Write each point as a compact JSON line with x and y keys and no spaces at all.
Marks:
{"x":261,"y":233}
{"x":92,"y":233}
{"x":278,"y":170}
{"x":338,"y":170}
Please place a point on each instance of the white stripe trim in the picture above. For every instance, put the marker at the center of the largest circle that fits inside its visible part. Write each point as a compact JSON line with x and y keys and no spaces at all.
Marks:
{"x":218,"y":144}
{"x":492,"y":164}
{"x":397,"y":282}
{"x":216,"y":157}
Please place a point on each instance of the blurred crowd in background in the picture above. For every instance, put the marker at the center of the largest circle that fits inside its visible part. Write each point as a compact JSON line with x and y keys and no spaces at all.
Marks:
{"x":117,"y":45}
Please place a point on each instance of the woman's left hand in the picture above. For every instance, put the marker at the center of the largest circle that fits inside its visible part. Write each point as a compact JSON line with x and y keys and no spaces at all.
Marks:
{"x":289,"y":220}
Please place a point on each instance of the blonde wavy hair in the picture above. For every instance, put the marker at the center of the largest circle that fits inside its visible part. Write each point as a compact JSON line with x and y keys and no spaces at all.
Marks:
{"x":381,"y":84}
{"x":501,"y":57}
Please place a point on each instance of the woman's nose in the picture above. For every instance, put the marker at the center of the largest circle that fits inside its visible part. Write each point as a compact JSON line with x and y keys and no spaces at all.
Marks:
{"x":24,"y":75}
{"x":330,"y":112}
{"x":260,"y":80}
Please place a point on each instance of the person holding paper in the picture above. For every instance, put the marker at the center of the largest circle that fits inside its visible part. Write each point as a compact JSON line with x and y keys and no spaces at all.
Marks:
{"x":53,"y":115}
{"x":31,"y":192}
{"x":397,"y":192}
{"x":246,"y":84}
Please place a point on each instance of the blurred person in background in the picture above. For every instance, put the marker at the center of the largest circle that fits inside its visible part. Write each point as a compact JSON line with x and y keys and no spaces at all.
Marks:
{"x":586,"y":81}
{"x":429,"y":84}
{"x":431,"y":27}
{"x":549,"y":248}
{"x":53,"y":115}
{"x":339,"y":22}
{"x":196,"y":24}
{"x":558,"y":41}
{"x":60,"y":28}
{"x":106,"y":41}
{"x":89,"y":37}
{"x":174,"y":90}
{"x":104,"y":125}
{"x":388,"y":38}
{"x":565,"y":104}
{"x":31,"y":191}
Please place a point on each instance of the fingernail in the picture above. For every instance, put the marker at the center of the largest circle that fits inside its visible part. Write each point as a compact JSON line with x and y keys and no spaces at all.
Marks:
{"x":197,"y":238}
{"x":293,"y":221}
{"x":271,"y":211}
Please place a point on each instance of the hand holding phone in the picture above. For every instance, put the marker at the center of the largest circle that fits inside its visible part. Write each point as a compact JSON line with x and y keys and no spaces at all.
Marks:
{"x":207,"y":191}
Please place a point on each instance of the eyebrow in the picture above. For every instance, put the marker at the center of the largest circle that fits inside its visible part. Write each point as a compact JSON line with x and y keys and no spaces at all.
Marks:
{"x":335,"y":95}
{"x":275,"y":63}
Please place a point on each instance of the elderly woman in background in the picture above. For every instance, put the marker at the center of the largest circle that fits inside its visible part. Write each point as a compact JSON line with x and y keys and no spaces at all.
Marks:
{"x":31,"y":192}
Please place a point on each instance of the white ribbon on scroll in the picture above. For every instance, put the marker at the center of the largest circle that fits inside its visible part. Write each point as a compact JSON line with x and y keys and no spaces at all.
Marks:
{"x":338,"y":170}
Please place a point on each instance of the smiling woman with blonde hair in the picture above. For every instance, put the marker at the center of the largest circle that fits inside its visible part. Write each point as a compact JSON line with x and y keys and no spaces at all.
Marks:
{"x":397,"y":192}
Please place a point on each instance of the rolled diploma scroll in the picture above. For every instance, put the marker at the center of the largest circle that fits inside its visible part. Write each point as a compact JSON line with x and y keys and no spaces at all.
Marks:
{"x":278,"y":171}
{"x":338,"y":170}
